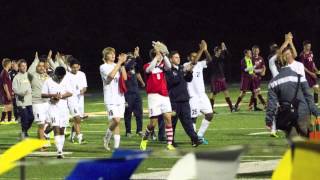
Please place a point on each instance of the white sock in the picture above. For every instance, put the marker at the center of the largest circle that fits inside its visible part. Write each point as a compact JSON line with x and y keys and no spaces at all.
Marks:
{"x":203,"y":128}
{"x":62,"y":139}
{"x":116,"y":138}
{"x":108,"y":135}
{"x":194,"y":126}
{"x":57,"y":142}
{"x":273,"y":127}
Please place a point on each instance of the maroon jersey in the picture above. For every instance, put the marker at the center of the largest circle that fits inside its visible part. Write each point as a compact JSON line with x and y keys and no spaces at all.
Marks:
{"x":307,"y":60}
{"x":156,"y":80}
{"x":5,"y":79}
{"x":258,"y":62}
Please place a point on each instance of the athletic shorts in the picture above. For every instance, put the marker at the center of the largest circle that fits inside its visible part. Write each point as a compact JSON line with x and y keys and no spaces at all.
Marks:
{"x":218,"y":85}
{"x":40,"y":112}
{"x":311,"y":81}
{"x":115,"y":110}
{"x":73,"y":106}
{"x":247,"y":84}
{"x":200,"y":104}
{"x":257,"y":82}
{"x":58,"y":116}
{"x":158,"y":104}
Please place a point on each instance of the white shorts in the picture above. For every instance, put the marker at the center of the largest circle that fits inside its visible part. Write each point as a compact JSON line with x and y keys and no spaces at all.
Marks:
{"x":115,"y":110}
{"x":58,"y":116}
{"x":73,"y":106}
{"x":40,"y":112}
{"x":158,"y":104}
{"x":200,"y":104}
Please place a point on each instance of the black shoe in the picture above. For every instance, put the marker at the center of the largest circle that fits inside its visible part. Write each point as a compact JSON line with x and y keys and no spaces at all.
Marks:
{"x":257,"y":109}
{"x":196,"y":143}
{"x":60,"y":155}
{"x":235,"y":109}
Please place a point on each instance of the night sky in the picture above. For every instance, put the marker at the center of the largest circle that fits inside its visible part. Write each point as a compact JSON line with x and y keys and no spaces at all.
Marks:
{"x":83,"y":28}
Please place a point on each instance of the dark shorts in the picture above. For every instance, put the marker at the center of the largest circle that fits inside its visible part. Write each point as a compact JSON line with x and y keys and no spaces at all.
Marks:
{"x":257,"y":82}
{"x":311,"y":81}
{"x":5,"y":100}
{"x":247,"y":84}
{"x":218,"y":85}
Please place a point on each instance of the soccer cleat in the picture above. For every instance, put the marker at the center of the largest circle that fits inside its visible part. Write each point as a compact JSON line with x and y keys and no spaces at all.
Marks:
{"x":143,"y":145}
{"x":60,"y":155}
{"x":274,"y":134}
{"x":203,"y":140}
{"x":170,"y":147}
{"x":236,"y":109}
{"x":106,"y":144}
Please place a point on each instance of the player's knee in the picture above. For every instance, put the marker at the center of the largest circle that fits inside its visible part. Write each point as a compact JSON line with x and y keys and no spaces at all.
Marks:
{"x":209,"y":116}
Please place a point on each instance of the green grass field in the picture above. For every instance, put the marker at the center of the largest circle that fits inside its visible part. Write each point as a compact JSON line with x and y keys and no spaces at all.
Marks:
{"x":227,"y":129}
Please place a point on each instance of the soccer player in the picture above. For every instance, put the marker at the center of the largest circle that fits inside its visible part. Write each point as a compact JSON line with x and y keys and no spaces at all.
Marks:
{"x":22,"y":90}
{"x":132,"y":96}
{"x":13,"y":72}
{"x":75,"y":80}
{"x":57,"y":91}
{"x":199,"y":101}
{"x":6,"y":91}
{"x":177,"y":78}
{"x":218,"y":80}
{"x":306,"y":57}
{"x":37,"y":76}
{"x":260,"y":70}
{"x":81,"y":76}
{"x":247,"y":76}
{"x":158,"y":99}
{"x":111,"y":74}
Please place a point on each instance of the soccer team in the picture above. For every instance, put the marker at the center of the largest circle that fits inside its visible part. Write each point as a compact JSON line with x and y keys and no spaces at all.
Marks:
{"x":51,"y":91}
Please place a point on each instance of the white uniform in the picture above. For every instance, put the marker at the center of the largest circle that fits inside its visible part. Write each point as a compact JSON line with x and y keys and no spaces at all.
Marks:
{"x":199,"y":101}
{"x":40,"y":112}
{"x":113,"y":99}
{"x":73,"y":104}
{"x":58,"y":112}
{"x":81,"y":80}
{"x":298,"y":67}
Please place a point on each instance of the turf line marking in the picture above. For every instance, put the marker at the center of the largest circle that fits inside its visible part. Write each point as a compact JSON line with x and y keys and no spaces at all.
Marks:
{"x":259,"y":133}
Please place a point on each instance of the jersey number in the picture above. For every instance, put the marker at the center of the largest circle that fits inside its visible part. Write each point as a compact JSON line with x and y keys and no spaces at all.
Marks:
{"x":193,"y":112}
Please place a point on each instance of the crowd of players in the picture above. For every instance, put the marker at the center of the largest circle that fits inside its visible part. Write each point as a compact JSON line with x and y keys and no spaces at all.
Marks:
{"x":52,"y":90}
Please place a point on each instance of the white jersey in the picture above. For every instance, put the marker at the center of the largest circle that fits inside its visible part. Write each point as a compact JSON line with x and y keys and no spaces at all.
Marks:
{"x":82,"y":79}
{"x":111,"y":91}
{"x":297,"y":67}
{"x":272,"y":66}
{"x":52,"y":87}
{"x":196,"y":86}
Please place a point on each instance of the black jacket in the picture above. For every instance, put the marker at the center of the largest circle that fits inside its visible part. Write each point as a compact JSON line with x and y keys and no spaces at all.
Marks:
{"x":177,"y":84}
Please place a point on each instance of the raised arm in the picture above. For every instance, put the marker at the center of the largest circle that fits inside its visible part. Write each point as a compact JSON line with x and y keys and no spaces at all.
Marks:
{"x":121,"y":59}
{"x":295,"y":54}
{"x":199,"y":53}
{"x":33,"y":66}
{"x":205,"y":50}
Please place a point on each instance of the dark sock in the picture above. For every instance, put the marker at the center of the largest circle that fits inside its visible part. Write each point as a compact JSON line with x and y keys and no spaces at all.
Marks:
{"x":149,"y":131}
{"x":194,"y":120}
{"x":228,"y":100}
{"x":3,"y":116}
{"x":238,"y":102}
{"x":315,"y":96}
{"x":9,"y":116}
{"x":251,"y":101}
{"x":262,"y":100}
{"x":255,"y":102}
{"x":212,"y":103}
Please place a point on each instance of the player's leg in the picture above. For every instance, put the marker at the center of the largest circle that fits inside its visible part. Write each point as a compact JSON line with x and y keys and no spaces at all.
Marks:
{"x":116,"y":112}
{"x":169,"y":130}
{"x":228,"y":100}
{"x":176,"y":111}
{"x":208,"y":116}
{"x":9,"y":112}
{"x":241,"y":96}
{"x":245,"y":85}
{"x":194,"y":110}
{"x":116,"y":132}
{"x":186,"y":122}
{"x":128,"y":113}
{"x":316,"y":91}
{"x":138,"y":113}
{"x":59,"y":138}
{"x":4,"y":113}
{"x":148,"y":132}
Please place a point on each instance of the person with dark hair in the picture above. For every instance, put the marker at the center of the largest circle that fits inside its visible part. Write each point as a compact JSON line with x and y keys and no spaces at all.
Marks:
{"x":6,"y":91}
{"x":247,"y":75}
{"x":218,"y":80}
{"x":289,"y":101}
{"x":199,"y":101}
{"x":158,"y":96}
{"x":23,"y":93}
{"x":37,"y":76}
{"x":177,"y":78}
{"x":132,"y":96}
{"x":57,"y":91}
{"x":273,"y":65}
{"x":306,"y":58}
{"x":13,"y":72}
{"x":260,"y":70}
